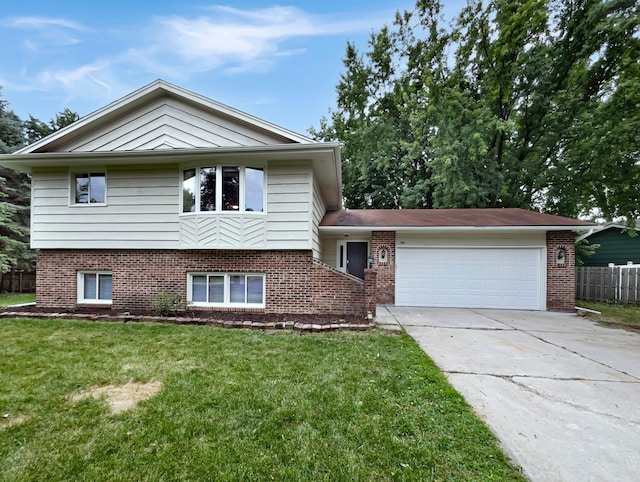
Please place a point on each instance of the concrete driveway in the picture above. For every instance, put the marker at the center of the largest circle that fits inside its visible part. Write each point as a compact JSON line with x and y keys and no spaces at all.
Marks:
{"x":561,"y":392}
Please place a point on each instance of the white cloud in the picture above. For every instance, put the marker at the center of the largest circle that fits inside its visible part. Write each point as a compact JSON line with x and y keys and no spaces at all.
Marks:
{"x":95,"y":81}
{"x":44,"y":32}
{"x":228,"y":39}
{"x":238,"y":40}
{"x":42,"y":22}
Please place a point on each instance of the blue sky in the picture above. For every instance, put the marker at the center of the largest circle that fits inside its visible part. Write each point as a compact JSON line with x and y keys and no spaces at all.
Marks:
{"x":278,"y":61}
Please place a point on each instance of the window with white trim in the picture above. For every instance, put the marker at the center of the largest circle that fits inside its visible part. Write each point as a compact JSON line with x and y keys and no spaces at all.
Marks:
{"x":226,"y":289}
{"x":94,"y":287}
{"x":89,"y":188}
{"x":219,"y":188}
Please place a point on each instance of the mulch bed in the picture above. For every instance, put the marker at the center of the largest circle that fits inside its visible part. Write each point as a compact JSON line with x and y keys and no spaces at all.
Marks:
{"x":225,"y":319}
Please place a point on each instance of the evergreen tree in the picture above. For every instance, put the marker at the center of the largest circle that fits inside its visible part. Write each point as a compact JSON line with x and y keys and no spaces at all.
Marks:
{"x":14,"y":198}
{"x":15,"y":187}
{"x":35,"y":129}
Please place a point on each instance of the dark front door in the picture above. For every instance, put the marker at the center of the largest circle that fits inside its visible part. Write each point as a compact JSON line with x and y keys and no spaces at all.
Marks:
{"x":357,"y":257}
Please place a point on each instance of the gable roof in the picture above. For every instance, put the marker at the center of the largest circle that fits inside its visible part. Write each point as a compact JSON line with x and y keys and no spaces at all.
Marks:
{"x":161,"y":115}
{"x":437,"y":219}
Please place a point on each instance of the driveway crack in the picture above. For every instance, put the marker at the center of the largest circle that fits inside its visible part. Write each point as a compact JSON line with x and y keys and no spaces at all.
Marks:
{"x":578,"y":406}
{"x":551,"y":398}
{"x":540,"y":377}
{"x":529,"y":333}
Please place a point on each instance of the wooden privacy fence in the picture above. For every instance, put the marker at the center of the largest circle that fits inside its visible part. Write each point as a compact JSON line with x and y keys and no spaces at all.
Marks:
{"x":618,"y":283}
{"x":18,"y":281}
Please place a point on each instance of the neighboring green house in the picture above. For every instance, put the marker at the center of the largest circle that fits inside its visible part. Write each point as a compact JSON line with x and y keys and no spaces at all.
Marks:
{"x":616,"y":246}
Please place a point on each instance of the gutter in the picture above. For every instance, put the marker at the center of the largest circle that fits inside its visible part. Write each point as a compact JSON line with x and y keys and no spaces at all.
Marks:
{"x":448,"y":229}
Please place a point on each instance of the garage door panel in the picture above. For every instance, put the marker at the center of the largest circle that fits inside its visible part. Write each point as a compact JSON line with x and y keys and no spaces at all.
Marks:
{"x":469,"y":277}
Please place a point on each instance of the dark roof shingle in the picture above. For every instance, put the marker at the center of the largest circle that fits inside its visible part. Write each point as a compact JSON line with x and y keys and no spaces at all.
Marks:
{"x":489,"y":217}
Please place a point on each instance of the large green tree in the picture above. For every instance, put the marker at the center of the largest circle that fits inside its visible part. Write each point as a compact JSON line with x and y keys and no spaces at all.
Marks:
{"x":527,"y":103}
{"x":15,"y":187}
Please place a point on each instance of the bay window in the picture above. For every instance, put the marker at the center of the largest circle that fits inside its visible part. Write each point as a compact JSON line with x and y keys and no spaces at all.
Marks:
{"x":222,"y":188}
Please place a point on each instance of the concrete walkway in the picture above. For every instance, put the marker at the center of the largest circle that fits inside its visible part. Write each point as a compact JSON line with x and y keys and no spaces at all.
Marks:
{"x":561,"y":392}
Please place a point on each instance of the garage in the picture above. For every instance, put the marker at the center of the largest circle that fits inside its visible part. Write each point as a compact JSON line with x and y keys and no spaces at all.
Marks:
{"x":505,"y":258}
{"x":487,"y":277}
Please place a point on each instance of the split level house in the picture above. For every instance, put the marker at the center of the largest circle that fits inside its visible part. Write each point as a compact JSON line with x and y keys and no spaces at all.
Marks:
{"x":165,"y":190}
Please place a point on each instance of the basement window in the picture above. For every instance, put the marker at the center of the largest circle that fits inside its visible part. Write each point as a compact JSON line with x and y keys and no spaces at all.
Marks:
{"x":94,"y":287}
{"x":226,"y":289}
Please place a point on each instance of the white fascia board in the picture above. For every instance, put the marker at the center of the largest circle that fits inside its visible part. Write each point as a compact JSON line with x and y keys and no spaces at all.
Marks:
{"x":317,"y":151}
{"x":328,"y":171}
{"x":447,"y":229}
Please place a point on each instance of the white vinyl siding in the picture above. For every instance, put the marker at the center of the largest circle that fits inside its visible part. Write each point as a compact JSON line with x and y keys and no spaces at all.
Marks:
{"x":223,"y":231}
{"x":289,"y":205}
{"x":167,"y":123}
{"x":330,"y":251}
{"x":317,"y":215}
{"x":141,"y":210}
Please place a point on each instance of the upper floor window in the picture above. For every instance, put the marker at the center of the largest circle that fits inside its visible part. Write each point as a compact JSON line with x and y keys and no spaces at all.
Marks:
{"x":223,"y":188}
{"x":89,"y":188}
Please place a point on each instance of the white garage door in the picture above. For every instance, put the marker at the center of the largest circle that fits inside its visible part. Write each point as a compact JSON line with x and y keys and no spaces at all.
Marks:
{"x":469,"y":278}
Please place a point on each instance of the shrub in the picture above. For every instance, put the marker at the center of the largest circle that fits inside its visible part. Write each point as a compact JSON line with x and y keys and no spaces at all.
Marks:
{"x":167,"y":303}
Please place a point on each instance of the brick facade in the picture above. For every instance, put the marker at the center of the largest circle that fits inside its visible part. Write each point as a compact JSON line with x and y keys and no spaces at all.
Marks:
{"x":386,"y":270}
{"x":294,"y":282}
{"x":371,"y":288}
{"x":561,"y":271}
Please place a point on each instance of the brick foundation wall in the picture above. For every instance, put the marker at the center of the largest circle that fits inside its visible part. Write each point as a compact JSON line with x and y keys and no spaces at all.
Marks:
{"x":294,"y":283}
{"x":561,"y":276}
{"x":386,"y":271}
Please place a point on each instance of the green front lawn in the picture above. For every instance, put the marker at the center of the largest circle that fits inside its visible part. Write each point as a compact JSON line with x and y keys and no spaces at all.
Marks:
{"x":232,"y":405}
{"x":7,"y":299}
{"x":614,"y":313}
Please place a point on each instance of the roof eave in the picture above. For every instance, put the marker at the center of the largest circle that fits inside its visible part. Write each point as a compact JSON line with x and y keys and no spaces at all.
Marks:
{"x":43,"y":159}
{"x":457,"y":229}
{"x":325,"y":159}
